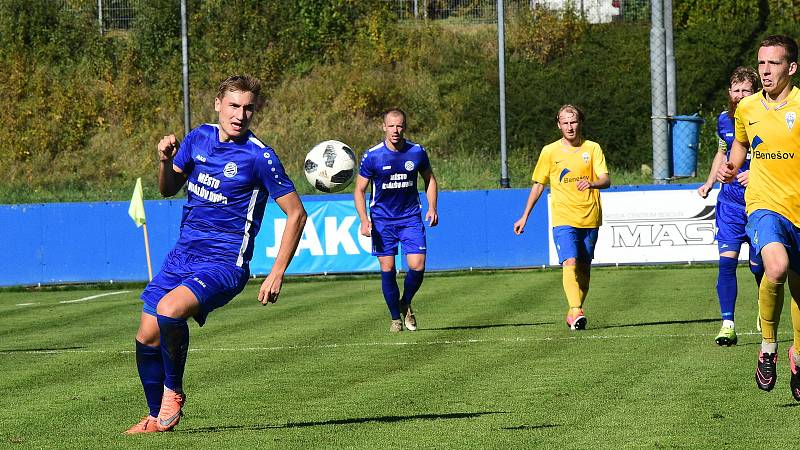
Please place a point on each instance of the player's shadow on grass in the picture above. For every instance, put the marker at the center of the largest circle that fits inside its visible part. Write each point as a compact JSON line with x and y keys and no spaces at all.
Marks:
{"x":39,"y":350}
{"x":480,"y":327}
{"x":661,"y":322}
{"x":350,"y":421}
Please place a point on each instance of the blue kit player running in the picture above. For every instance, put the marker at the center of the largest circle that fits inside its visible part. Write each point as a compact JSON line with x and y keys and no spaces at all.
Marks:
{"x":730,"y":210}
{"x":393,"y":167}
{"x":230,"y":175}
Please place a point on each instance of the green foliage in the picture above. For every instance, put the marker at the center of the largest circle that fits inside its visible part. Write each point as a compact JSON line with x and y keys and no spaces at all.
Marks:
{"x":88,"y":108}
{"x":540,"y":34}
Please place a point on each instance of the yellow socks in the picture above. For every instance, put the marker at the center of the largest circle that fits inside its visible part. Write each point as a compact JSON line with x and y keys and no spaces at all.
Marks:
{"x":770,"y":304}
{"x":569,"y":279}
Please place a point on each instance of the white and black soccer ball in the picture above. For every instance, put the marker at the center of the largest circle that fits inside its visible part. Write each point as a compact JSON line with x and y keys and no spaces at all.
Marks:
{"x":330,"y":166}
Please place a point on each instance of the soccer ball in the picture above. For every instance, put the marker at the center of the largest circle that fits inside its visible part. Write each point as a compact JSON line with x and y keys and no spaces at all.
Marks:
{"x":330,"y":166}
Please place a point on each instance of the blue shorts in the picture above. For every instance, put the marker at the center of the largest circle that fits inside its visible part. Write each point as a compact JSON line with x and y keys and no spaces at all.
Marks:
{"x":574,"y":242}
{"x":387,"y":235}
{"x":731,"y":222}
{"x":213,"y":283}
{"x":765,"y":227}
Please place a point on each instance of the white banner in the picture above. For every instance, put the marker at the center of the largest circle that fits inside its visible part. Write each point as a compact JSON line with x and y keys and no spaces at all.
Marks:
{"x":656,"y":226}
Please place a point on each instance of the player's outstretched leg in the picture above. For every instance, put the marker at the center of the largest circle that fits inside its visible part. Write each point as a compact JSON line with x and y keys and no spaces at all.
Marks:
{"x":411,"y":285}
{"x":174,"y":350}
{"x":726,"y":291}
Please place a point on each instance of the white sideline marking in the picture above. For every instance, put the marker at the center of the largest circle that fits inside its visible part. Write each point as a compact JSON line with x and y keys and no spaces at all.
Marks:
{"x":395,"y":344}
{"x":91,"y":297}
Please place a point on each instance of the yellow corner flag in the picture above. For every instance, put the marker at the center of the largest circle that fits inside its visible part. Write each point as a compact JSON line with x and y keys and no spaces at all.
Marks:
{"x":136,"y":209}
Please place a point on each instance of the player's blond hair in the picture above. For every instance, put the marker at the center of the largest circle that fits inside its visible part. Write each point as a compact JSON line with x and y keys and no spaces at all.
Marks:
{"x":571,"y":108}
{"x":242,"y":83}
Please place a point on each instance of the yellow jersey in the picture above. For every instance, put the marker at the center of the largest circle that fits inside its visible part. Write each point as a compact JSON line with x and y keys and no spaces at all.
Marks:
{"x":773,"y":132}
{"x":563,"y":166}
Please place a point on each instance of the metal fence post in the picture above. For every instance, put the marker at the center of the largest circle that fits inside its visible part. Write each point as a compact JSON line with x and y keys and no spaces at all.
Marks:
{"x":501,"y":50}
{"x":658,"y":93}
{"x":100,"y":15}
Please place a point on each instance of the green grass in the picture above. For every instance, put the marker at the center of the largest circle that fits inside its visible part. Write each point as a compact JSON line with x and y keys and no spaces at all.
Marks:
{"x":493,"y":366}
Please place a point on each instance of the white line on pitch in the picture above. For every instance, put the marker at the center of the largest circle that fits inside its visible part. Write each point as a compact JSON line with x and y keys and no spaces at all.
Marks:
{"x":395,"y":344}
{"x":91,"y":297}
{"x":26,"y":304}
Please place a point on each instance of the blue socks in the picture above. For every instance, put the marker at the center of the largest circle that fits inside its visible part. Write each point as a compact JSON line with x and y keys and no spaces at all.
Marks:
{"x":174,"y":349}
{"x":391,"y":293}
{"x":727,"y":286}
{"x":151,"y":372}
{"x":411,"y":285}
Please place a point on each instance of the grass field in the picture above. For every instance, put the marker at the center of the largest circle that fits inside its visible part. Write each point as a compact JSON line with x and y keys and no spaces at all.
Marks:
{"x":492,"y":366}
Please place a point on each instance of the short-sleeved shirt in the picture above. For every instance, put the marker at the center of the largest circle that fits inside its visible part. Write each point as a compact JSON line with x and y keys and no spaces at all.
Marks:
{"x":562,"y":167}
{"x":394,"y":175}
{"x":773,"y":131}
{"x":732,"y":192}
{"x":228,"y":185}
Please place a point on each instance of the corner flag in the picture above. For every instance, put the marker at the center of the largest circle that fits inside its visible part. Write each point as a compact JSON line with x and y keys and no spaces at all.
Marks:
{"x":136,"y":208}
{"x":136,"y":211}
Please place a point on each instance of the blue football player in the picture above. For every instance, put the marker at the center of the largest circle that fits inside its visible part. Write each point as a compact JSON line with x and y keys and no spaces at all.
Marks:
{"x":229,"y":174}
{"x":730,"y":211}
{"x":395,"y":218}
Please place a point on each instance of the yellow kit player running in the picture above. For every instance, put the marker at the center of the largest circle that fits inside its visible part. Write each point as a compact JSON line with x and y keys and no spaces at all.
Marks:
{"x":767,"y":123}
{"x":576,"y":170}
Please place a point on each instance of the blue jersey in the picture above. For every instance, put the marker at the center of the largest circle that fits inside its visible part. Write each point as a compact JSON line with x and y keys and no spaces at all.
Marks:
{"x":228,"y":184}
{"x":394,"y":180}
{"x":732,"y":192}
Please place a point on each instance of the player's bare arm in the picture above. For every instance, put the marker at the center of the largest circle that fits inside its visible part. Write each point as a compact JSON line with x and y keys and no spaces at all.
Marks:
{"x":533,"y":197}
{"x":360,"y":199}
{"x":432,"y":193}
{"x":603,"y":181}
{"x":296,"y":216}
{"x":738,"y":154}
{"x":706,"y":187}
{"x":170,"y":177}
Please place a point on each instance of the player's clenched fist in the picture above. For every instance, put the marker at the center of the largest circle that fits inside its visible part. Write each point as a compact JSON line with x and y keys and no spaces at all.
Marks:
{"x":725,"y":173}
{"x":167,"y":147}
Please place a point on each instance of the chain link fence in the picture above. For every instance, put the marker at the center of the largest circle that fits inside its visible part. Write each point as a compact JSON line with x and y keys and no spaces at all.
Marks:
{"x":595,"y":11}
{"x":111,"y":14}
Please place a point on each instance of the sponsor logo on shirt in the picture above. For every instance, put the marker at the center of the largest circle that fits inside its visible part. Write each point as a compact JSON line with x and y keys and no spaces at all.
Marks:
{"x":200,"y":158}
{"x":790,"y":116}
{"x":386,"y":168}
{"x":397,"y":181}
{"x":773,"y":155}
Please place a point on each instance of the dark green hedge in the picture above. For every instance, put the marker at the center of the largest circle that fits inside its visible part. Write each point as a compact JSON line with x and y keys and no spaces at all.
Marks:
{"x":85,"y":109}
